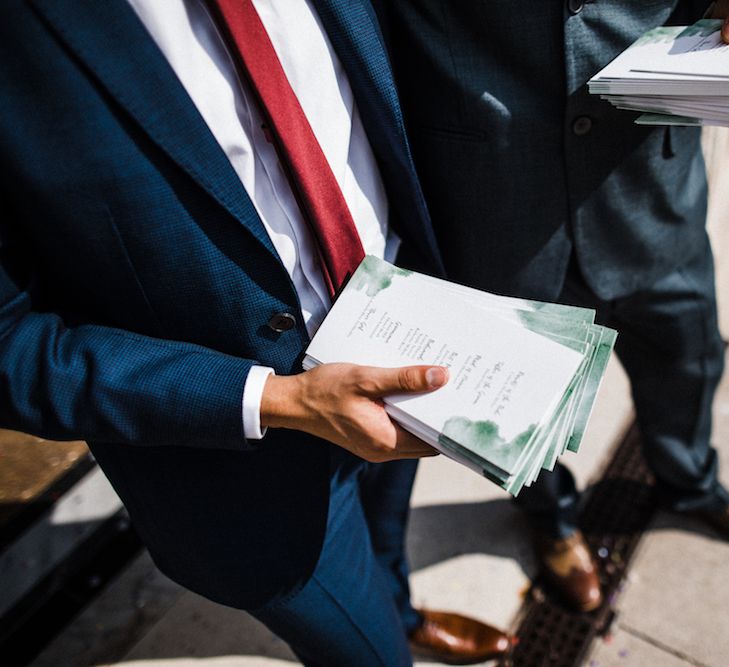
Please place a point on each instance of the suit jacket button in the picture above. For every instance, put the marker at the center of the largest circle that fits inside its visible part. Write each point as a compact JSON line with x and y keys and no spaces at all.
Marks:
{"x":281,"y":322}
{"x":575,"y":6}
{"x":582,"y":125}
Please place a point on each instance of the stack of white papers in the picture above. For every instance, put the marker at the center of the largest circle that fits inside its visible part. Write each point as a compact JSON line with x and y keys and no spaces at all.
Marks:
{"x":678,"y":75}
{"x":523,"y":374}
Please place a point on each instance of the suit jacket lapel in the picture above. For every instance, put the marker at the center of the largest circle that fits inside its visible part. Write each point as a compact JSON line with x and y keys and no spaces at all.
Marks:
{"x":355,"y":35}
{"x":354,"y":32}
{"x":113,"y":44}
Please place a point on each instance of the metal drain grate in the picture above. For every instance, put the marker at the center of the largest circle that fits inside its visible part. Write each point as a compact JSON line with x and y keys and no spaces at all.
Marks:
{"x":618,"y":510}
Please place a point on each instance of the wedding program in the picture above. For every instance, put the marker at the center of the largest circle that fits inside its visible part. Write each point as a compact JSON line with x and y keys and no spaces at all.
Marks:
{"x":677,"y":75}
{"x":523,"y":374}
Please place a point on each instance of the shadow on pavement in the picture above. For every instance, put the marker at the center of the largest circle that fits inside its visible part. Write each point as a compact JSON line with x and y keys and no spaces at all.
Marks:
{"x":495,"y":528}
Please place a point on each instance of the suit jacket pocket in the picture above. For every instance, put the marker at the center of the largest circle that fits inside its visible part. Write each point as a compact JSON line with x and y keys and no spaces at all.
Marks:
{"x":455,"y":133}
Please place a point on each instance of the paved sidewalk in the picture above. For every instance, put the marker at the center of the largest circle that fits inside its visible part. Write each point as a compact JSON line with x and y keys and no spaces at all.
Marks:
{"x":470,"y":552}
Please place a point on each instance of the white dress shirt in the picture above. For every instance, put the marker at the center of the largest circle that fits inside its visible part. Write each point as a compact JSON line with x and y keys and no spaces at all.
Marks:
{"x":193,"y":46}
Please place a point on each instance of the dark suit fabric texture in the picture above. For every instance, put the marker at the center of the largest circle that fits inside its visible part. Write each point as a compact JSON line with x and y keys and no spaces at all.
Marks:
{"x":528,"y":177}
{"x":137,"y":281}
{"x":361,"y":570}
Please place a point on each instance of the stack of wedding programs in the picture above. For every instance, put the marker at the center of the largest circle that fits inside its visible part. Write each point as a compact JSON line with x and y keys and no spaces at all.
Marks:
{"x":523,"y":375}
{"x":678,"y":75}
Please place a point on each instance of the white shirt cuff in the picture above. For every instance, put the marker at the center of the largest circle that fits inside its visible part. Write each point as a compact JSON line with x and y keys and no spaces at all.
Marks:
{"x":252,"y":394}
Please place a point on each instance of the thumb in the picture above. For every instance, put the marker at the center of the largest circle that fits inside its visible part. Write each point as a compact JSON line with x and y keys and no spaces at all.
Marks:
{"x":725,"y":30}
{"x":409,"y":379}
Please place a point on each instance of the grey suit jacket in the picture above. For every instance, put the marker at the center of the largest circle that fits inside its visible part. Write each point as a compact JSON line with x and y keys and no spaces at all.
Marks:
{"x":520,"y":165}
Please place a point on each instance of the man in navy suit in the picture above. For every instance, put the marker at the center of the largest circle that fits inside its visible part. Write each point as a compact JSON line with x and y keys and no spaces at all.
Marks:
{"x":159,"y":282}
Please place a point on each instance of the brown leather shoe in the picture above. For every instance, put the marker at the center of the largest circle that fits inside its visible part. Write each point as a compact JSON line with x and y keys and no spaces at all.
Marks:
{"x":571,"y":570}
{"x":456,"y":639}
{"x":718,"y":520}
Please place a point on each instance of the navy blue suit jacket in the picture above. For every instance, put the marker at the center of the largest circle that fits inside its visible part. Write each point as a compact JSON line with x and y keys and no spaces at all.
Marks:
{"x":136,"y":283}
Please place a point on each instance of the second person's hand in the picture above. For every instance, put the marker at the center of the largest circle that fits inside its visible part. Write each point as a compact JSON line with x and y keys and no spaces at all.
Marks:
{"x":720,"y":10}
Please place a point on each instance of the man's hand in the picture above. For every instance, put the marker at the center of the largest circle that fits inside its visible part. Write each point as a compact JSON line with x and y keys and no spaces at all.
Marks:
{"x":720,"y":10}
{"x":342,"y":403}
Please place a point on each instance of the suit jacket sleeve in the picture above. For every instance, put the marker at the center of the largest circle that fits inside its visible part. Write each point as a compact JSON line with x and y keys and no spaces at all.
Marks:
{"x":104,"y":384}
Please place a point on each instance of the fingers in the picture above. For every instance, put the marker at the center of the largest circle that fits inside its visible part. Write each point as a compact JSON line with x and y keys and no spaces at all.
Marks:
{"x":720,"y":10}
{"x":406,"y":446}
{"x":378,"y":382}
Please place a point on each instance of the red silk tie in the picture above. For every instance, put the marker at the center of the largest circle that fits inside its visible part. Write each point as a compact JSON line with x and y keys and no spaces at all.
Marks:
{"x":316,"y":189}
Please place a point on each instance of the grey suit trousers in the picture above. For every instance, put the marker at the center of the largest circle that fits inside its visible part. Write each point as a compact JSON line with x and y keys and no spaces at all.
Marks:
{"x":670,"y":346}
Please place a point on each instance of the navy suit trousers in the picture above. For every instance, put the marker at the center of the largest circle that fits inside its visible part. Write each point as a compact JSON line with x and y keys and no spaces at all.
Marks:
{"x":355,"y":609}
